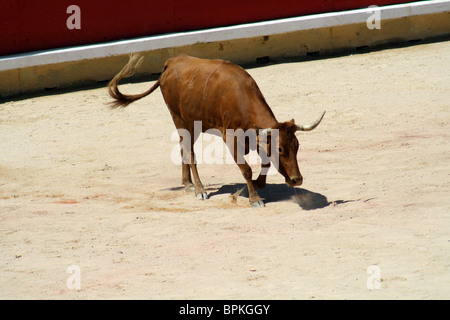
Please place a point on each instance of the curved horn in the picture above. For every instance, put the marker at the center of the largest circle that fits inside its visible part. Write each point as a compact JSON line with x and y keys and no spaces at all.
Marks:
{"x":311,"y":126}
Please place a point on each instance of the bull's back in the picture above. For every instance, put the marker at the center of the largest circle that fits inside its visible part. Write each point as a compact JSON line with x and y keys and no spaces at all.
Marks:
{"x":208,"y":90}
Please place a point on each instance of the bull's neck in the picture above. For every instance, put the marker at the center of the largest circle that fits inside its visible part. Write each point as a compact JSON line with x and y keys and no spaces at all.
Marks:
{"x":265,"y":118}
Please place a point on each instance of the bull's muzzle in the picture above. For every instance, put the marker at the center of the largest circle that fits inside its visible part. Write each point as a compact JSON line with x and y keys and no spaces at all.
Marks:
{"x":295,"y":181}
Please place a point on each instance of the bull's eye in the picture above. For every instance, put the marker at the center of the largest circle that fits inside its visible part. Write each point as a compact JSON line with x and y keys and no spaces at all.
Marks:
{"x":280,"y":150}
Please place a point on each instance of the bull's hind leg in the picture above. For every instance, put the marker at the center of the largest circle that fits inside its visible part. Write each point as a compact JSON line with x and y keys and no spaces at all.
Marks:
{"x":189,"y":165}
{"x":186,"y":179}
{"x":200,"y":192}
{"x":188,"y":162}
{"x":188,"y":158}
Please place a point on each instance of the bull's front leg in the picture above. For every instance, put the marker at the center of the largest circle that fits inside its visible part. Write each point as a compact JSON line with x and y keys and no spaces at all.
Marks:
{"x":238,"y":151}
{"x":260,"y":182}
{"x":253,"y":197}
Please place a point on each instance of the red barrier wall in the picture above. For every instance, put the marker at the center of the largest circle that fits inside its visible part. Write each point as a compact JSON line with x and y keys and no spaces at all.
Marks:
{"x":30,"y":25}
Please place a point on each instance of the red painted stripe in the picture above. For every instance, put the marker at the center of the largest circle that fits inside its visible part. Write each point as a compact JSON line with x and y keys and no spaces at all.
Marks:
{"x":30,"y":25}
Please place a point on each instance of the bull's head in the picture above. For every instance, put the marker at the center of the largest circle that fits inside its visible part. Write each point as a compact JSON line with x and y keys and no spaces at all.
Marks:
{"x":287,"y":148}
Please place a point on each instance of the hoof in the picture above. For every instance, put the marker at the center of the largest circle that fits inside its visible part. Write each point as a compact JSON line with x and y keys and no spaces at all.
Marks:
{"x":189,"y":188}
{"x":257,"y":204}
{"x":202,"y":196}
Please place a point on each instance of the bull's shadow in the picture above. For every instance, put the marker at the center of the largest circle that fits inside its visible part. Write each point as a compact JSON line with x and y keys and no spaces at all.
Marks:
{"x":306,"y":199}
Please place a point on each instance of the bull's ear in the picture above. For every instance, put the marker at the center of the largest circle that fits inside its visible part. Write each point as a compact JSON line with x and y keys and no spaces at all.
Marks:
{"x":262,"y":132}
{"x":265,"y":132}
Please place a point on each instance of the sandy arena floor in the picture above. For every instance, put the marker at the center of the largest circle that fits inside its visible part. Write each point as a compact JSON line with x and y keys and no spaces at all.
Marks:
{"x":85,"y":186}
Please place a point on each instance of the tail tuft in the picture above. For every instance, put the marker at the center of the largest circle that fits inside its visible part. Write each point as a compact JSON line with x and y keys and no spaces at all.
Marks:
{"x":120,"y":99}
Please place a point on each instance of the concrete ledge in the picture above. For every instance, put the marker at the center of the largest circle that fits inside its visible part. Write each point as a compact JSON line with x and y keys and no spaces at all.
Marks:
{"x":243,"y":44}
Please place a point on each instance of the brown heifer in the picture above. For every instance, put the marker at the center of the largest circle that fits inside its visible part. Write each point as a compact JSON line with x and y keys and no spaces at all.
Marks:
{"x":222,"y":96}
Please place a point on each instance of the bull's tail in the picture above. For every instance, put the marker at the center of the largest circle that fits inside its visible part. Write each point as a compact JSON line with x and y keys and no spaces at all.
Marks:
{"x":123,"y":100}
